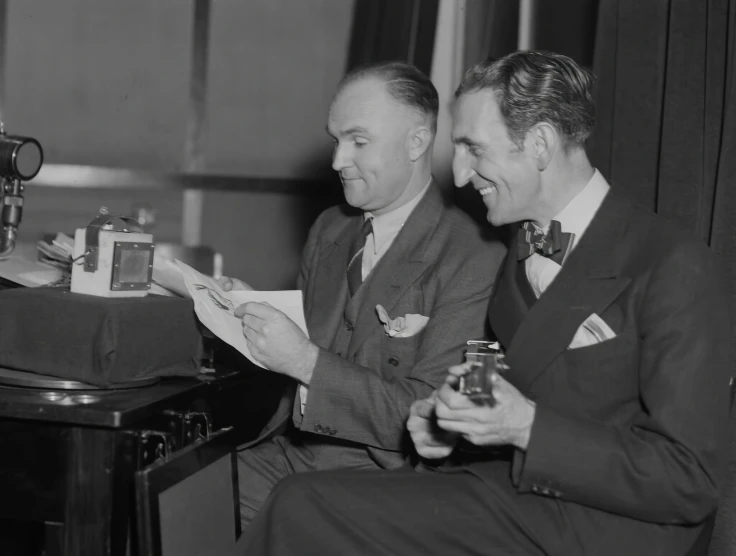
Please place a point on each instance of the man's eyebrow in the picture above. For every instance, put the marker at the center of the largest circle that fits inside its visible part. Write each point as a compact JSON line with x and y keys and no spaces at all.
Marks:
{"x":463,"y":140}
{"x":349,"y":131}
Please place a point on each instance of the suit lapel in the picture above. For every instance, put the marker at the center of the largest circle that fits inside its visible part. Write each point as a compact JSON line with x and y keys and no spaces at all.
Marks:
{"x":507,"y":308}
{"x":325,"y":311}
{"x":404,"y":262}
{"x":588,"y":283}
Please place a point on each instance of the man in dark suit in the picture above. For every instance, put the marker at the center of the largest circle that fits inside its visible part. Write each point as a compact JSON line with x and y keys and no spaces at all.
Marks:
{"x":607,"y":432}
{"x":394,"y":285}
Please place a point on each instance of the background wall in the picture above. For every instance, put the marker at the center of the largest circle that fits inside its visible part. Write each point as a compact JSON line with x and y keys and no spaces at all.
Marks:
{"x":107,"y":83}
{"x":274,"y":66}
{"x":104,"y":82}
{"x":100,"y":82}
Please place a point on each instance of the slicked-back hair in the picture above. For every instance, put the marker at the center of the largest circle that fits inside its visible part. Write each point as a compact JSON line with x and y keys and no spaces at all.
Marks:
{"x":405,"y":83}
{"x":532,"y":87}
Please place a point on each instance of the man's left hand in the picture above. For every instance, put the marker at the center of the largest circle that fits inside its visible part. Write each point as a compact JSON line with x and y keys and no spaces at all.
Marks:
{"x":276,"y":342}
{"x":508,"y":421}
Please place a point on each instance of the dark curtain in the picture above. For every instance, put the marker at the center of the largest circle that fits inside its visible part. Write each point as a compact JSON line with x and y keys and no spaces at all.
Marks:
{"x":491,"y":29}
{"x":386,"y":30}
{"x":667,"y":110}
{"x":567,"y":27}
{"x":666,"y":131}
{"x":563,"y":26}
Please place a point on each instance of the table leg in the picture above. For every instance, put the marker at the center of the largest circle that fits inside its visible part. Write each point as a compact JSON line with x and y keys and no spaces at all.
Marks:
{"x":97,"y":493}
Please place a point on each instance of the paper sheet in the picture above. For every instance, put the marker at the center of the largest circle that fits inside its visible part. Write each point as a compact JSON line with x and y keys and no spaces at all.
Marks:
{"x":28,"y":273}
{"x":167,"y":278}
{"x":215,"y":308}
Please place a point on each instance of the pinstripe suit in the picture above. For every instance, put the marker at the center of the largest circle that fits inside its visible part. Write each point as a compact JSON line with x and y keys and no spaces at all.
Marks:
{"x":441,"y":265}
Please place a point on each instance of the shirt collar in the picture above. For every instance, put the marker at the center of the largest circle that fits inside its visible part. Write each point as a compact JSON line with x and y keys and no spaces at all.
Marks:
{"x":387,"y":225}
{"x":578,"y":214}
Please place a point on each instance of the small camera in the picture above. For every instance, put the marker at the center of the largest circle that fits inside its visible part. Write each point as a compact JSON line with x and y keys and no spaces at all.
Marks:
{"x":483,"y":359}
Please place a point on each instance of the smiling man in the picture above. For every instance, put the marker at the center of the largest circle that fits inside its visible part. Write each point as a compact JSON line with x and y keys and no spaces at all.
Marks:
{"x":395,"y":283}
{"x":608,"y":430}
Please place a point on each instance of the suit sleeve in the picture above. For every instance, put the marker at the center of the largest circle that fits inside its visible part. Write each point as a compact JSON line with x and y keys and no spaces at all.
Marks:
{"x":663,"y":467}
{"x":290,"y":386}
{"x":364,"y":405}
{"x":308,"y":254}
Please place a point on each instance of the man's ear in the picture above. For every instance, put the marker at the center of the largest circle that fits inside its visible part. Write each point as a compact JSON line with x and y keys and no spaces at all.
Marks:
{"x":419,"y":139}
{"x":545,"y":142}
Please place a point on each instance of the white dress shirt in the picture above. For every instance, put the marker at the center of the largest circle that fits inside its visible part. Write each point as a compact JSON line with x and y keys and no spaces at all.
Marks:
{"x":574,"y":219}
{"x":385,"y":229}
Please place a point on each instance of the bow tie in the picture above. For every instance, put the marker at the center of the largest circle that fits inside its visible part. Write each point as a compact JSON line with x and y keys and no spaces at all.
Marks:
{"x":533,"y":240}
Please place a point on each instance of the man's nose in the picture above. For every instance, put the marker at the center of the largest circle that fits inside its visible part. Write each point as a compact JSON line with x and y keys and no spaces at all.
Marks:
{"x":340,"y":160}
{"x":461,"y":170}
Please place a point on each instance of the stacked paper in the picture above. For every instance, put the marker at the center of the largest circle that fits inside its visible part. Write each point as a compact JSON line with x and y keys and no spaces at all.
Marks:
{"x":58,"y":253}
{"x":215,"y":308}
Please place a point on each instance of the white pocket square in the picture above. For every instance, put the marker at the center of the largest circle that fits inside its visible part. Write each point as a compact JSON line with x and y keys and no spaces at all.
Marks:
{"x":401,"y":327}
{"x":593,"y":331}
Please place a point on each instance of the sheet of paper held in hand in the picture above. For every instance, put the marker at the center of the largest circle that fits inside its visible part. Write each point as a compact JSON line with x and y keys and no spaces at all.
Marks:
{"x":215,"y":308}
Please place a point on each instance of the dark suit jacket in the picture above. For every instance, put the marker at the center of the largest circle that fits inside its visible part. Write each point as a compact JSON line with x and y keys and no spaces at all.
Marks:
{"x":628,"y":440}
{"x":441,"y":265}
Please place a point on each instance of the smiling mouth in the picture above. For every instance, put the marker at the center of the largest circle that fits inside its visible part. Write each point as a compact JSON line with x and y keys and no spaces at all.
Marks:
{"x":348,"y":182}
{"x":487,"y":190}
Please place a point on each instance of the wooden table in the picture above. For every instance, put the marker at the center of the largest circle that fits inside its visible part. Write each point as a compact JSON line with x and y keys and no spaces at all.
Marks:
{"x":72,"y":465}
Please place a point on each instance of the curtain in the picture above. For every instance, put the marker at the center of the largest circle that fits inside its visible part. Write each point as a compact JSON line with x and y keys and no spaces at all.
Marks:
{"x":563,"y":26}
{"x":491,"y":29}
{"x":666,"y":110}
{"x":666,"y":131}
{"x":567,"y":27}
{"x":386,"y":30}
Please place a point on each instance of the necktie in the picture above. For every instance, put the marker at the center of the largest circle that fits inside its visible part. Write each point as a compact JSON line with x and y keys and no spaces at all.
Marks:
{"x":532,"y":240}
{"x":355,"y":259}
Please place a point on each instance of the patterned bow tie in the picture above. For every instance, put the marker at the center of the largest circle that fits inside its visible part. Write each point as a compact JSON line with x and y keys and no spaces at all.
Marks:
{"x":533,"y":240}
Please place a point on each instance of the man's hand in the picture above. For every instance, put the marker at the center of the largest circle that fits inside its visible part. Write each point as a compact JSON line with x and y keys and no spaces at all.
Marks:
{"x":277,"y":342}
{"x":509,"y":421}
{"x":232,"y":284}
{"x":430,"y":441}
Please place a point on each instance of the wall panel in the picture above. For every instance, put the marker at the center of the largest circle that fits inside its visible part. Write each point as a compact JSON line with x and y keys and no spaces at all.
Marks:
{"x":100,"y":82}
{"x":273,"y":70}
{"x":274,"y":66}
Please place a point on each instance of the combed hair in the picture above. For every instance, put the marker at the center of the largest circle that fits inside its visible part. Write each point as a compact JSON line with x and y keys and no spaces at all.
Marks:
{"x":532,"y":87}
{"x":405,"y":83}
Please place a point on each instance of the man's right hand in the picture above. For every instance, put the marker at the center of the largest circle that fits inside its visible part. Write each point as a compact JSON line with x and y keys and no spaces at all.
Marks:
{"x":430,"y":441}
{"x":232,"y":284}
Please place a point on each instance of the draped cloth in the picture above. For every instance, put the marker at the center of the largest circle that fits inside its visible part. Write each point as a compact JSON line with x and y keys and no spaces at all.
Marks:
{"x":385,"y":30}
{"x":666,"y":131}
{"x":666,"y":106}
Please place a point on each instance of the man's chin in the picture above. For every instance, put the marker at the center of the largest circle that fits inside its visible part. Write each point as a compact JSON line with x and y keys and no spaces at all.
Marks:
{"x":355,"y":201}
{"x":496,"y":219}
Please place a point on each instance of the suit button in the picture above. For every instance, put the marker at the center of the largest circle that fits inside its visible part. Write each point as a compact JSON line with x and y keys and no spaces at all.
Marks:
{"x":393,"y":362}
{"x":332,"y":432}
{"x":348,"y":327}
{"x":546,"y":491}
{"x":317,"y":428}
{"x":535,"y":488}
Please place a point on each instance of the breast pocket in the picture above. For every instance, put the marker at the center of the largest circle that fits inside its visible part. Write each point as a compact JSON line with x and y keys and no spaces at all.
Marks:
{"x":604,"y":370}
{"x":601,"y":351}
